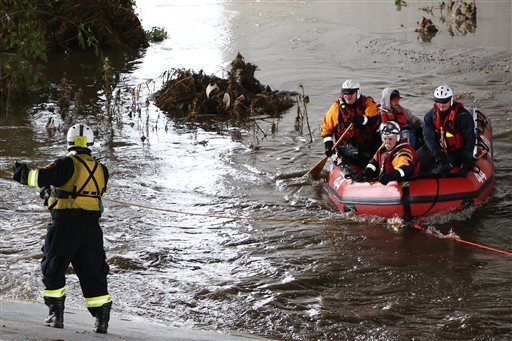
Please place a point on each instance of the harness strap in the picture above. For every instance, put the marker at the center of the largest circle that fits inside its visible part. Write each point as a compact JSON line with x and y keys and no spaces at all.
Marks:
{"x":53,"y":205}
{"x":406,"y":201}
{"x":64,"y":194}
{"x":60,"y":194}
{"x":91,"y":177}
{"x":442,"y":141}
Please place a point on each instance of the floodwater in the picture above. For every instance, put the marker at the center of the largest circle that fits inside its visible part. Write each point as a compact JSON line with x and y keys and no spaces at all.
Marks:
{"x":181,"y":229}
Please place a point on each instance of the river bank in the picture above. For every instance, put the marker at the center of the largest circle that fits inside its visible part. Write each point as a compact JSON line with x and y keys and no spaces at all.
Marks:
{"x":24,"y":321}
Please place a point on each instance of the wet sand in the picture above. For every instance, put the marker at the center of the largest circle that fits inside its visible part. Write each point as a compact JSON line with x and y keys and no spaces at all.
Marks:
{"x":24,"y":321}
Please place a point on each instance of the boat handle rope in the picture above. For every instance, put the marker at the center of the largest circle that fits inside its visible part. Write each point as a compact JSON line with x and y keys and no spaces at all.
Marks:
{"x":412,"y":224}
{"x":433,"y":201}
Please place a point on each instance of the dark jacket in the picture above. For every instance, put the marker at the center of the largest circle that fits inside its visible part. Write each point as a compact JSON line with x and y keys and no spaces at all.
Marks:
{"x":464,"y":123}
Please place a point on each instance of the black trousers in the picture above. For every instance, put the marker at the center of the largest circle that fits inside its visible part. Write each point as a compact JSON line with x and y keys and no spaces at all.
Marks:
{"x":74,"y":236}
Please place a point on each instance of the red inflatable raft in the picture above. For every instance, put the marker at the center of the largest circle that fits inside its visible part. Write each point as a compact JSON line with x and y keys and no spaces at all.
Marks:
{"x":422,"y":196}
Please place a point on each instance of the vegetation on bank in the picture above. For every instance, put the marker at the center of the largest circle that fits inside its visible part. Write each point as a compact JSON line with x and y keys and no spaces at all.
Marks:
{"x":30,"y":31}
{"x":156,"y":34}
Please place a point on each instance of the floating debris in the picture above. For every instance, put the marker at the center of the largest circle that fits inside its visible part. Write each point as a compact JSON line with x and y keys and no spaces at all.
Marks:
{"x":459,"y":17}
{"x":192,"y":94}
{"x":426,"y":29}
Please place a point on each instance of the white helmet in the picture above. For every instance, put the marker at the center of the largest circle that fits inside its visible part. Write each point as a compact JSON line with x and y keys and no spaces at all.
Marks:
{"x":350,"y":86}
{"x":443,"y":94}
{"x":390,"y":128}
{"x":80,"y":135}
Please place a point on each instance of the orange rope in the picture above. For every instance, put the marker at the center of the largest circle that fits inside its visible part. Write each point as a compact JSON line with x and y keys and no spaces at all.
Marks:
{"x":480,"y":245}
{"x":418,"y":226}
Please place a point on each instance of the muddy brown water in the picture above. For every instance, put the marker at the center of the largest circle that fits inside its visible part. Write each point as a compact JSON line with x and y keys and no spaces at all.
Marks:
{"x":183,"y":265}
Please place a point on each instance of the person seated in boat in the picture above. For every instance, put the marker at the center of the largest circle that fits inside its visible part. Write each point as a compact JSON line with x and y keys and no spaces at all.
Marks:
{"x":353,"y":116}
{"x":411,"y":127}
{"x":449,"y":134}
{"x":395,"y":160}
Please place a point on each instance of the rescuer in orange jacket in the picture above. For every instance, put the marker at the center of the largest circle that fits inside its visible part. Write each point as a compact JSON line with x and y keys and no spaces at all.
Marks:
{"x":395,"y":160}
{"x":73,"y":186}
{"x":449,"y":134}
{"x":361,"y":141}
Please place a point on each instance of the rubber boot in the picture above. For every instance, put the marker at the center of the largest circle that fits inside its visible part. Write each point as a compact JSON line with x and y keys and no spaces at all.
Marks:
{"x":102,"y":315}
{"x":55,"y":317}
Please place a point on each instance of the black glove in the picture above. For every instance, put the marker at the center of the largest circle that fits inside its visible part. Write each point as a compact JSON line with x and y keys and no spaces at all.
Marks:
{"x":368,"y":175}
{"x":442,"y":166}
{"x":45,"y":193}
{"x":441,"y":169}
{"x":329,"y":150}
{"x":357,"y":120}
{"x":394,"y":175}
{"x":464,"y":169}
{"x":20,"y":173}
{"x":441,"y":159}
{"x":349,"y":151}
{"x":357,"y":177}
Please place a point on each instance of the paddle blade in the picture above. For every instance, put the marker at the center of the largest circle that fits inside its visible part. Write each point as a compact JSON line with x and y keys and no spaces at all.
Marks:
{"x":317,"y":169}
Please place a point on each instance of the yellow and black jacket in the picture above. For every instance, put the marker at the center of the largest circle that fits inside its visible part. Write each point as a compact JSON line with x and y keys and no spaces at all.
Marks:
{"x":401,"y":158}
{"x":77,"y":182}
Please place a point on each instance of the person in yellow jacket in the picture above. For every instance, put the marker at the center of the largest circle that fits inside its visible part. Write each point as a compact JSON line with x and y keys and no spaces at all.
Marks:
{"x":395,"y":160}
{"x":355,"y":112}
{"x":73,"y":186}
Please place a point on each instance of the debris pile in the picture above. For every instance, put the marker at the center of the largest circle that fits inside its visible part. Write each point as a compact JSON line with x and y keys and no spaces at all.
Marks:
{"x":459,"y":17}
{"x":241,"y":95}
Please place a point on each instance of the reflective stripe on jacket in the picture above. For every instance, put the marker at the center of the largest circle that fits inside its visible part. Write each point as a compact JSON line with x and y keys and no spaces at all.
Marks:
{"x":339,"y":116}
{"x":402,"y":158}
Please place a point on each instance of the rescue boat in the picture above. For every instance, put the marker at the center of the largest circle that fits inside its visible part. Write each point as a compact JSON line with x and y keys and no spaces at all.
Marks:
{"x":421,"y":196}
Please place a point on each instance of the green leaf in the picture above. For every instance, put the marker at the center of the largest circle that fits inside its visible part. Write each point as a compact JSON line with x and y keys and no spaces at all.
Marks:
{"x":80,"y":38}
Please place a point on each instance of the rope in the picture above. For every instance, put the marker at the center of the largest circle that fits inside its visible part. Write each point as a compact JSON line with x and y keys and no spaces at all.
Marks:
{"x":452,"y":236}
{"x":279,"y":219}
{"x":433,"y":202}
{"x":479,"y":245}
{"x":415,"y":225}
